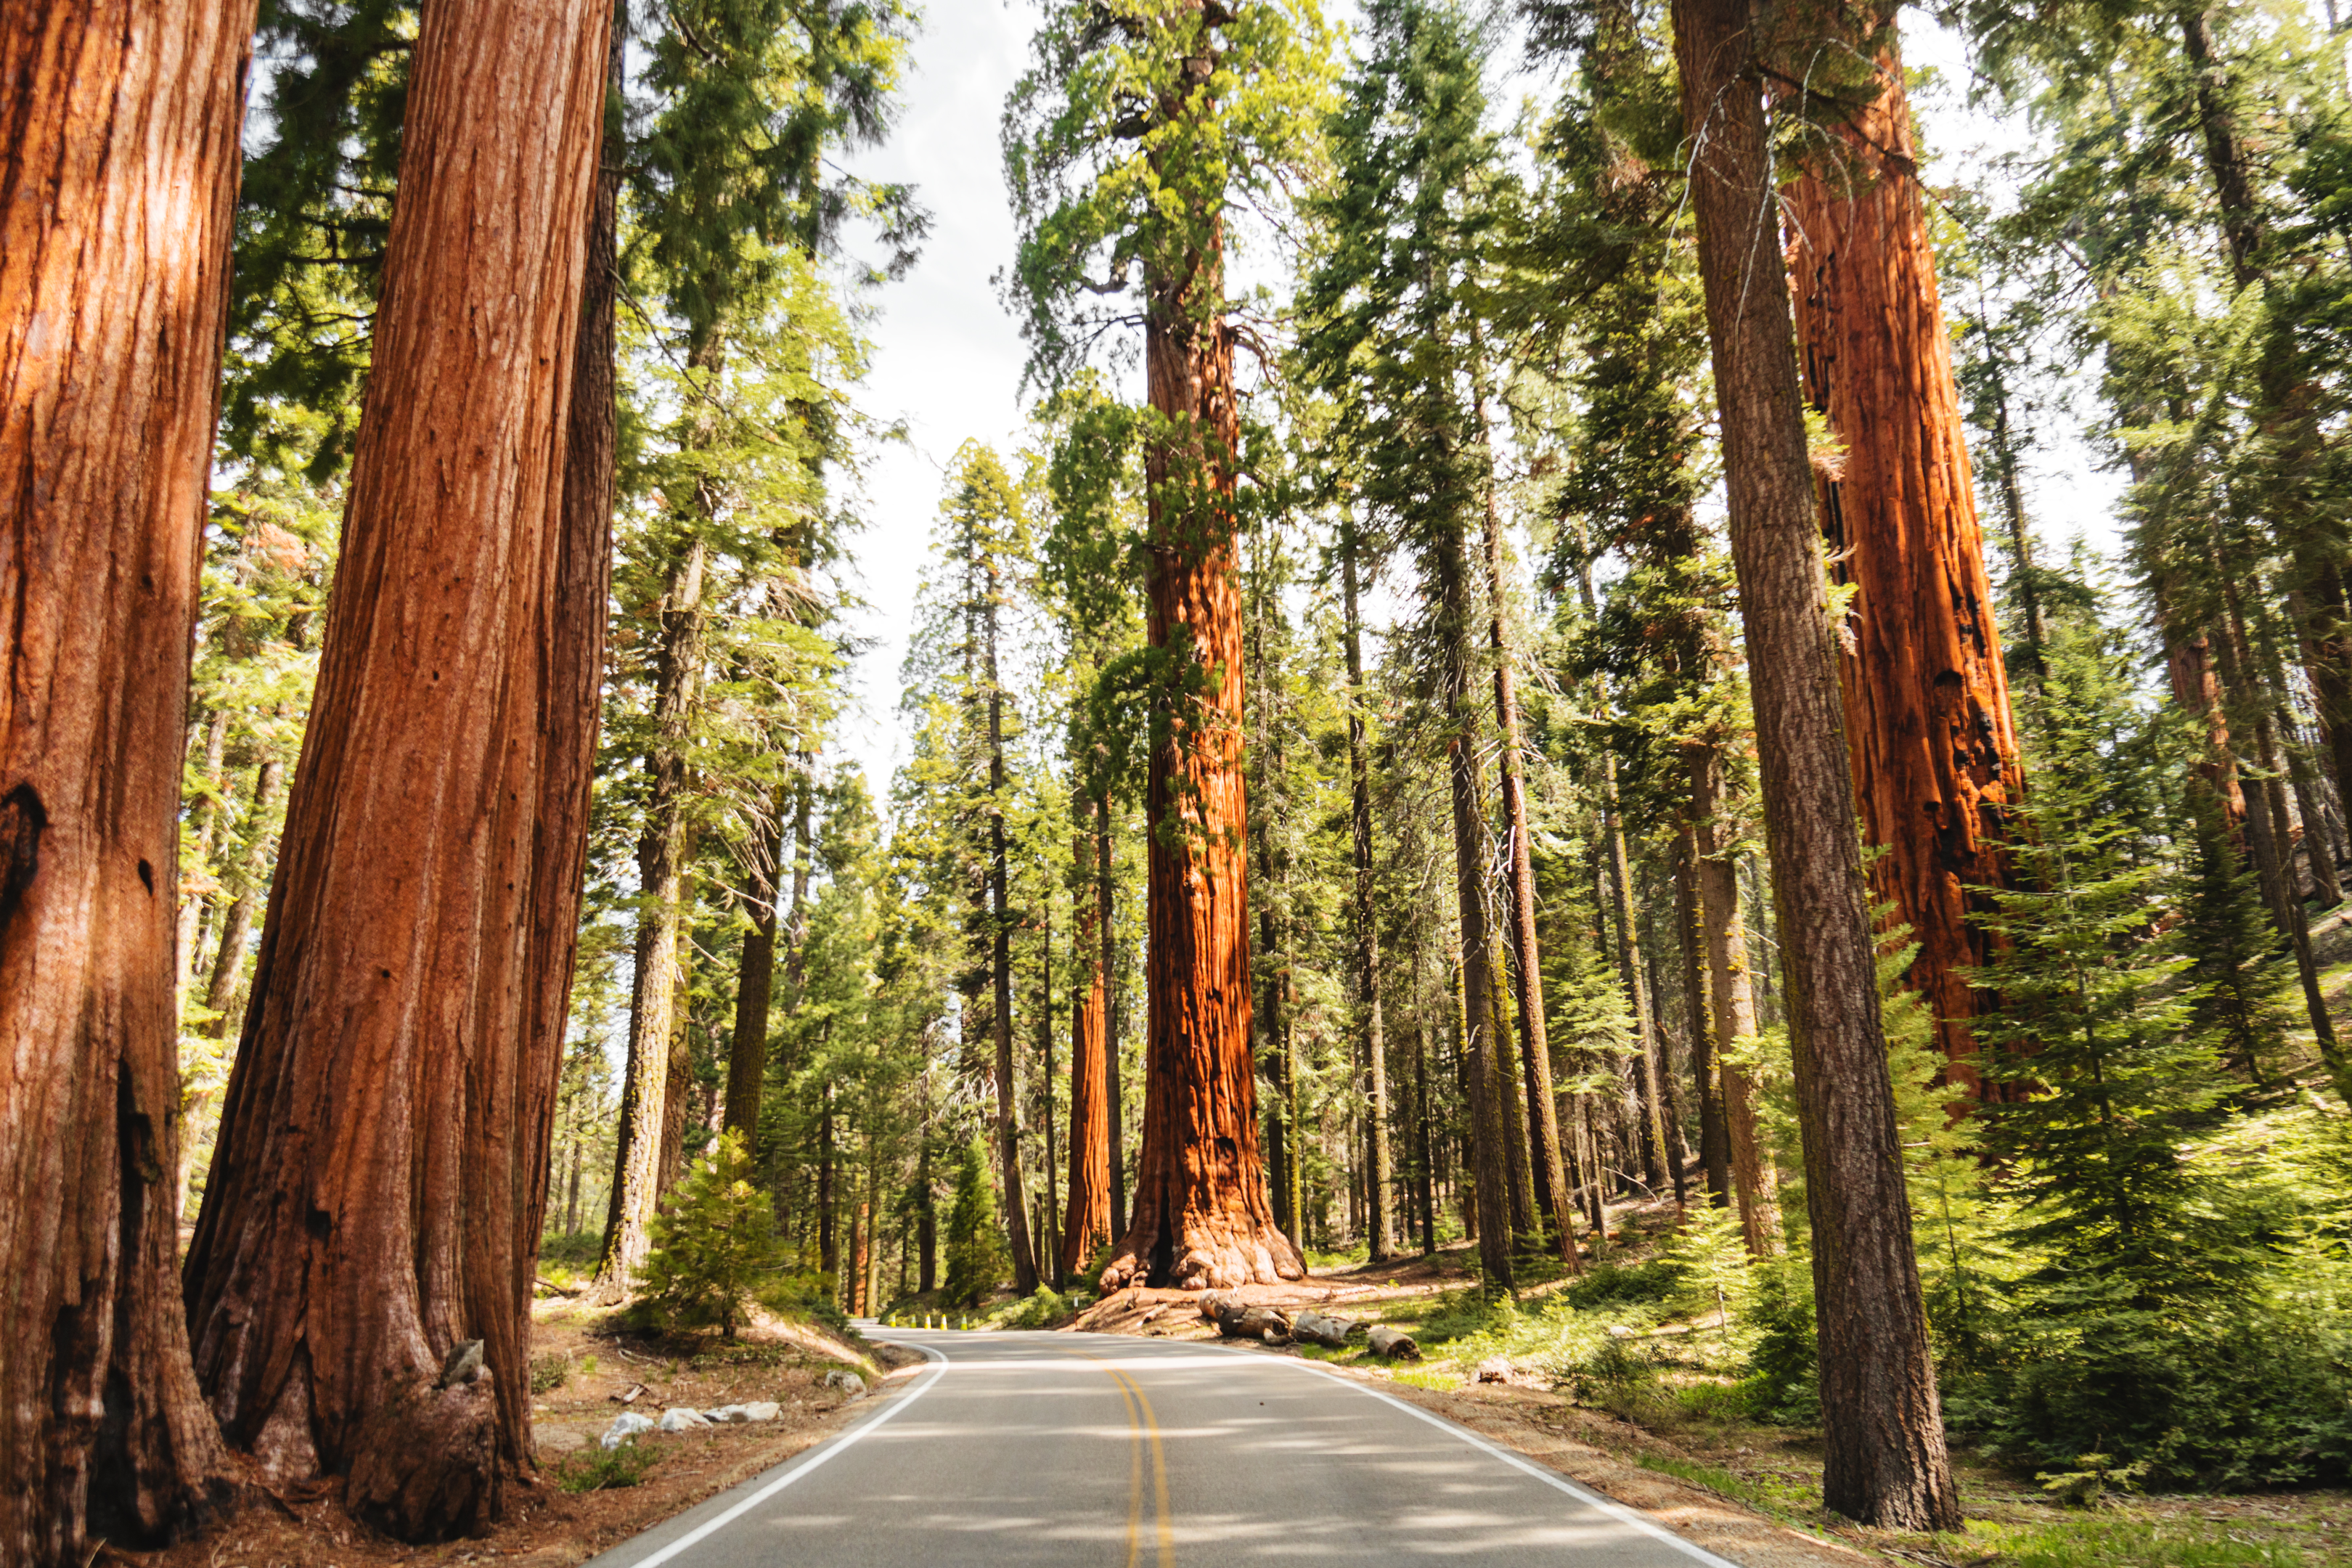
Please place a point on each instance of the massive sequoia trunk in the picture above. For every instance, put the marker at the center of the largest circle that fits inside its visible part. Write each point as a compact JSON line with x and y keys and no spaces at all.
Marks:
{"x":117,"y":190}
{"x":1883,"y":1436}
{"x":376,"y":1192}
{"x":1926,"y":697}
{"x":1201,"y":1219}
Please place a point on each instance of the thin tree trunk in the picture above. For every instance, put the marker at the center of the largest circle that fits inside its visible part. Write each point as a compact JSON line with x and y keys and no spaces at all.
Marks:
{"x":237,"y":926}
{"x":1706,"y":1080}
{"x":1200,"y":1217}
{"x":828,"y":1257}
{"x":1008,"y":1122}
{"x":1049,"y":1245}
{"x":205,"y":816}
{"x":1927,"y":724}
{"x":1883,"y":1436}
{"x":645,"y":1110}
{"x":1724,"y":935}
{"x":1087,"y":1225}
{"x":755,"y":987}
{"x":1114,"y":1135}
{"x":1377,"y":1176}
{"x":1489,"y":1092}
{"x":1550,"y":1179}
{"x":926,"y":1224}
{"x":1648,"y":1078}
{"x":117,"y":188}
{"x":378,"y":1186}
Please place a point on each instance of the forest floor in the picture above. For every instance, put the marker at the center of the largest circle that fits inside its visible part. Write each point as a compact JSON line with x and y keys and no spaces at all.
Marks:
{"x":1745,"y":1490}
{"x":589,"y":1500}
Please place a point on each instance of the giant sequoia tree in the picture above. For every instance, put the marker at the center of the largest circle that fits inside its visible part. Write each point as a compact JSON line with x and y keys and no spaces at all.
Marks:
{"x":116,"y":191}
{"x":1883,"y":1433}
{"x":1135,"y":126}
{"x":1927,"y":696}
{"x":376,"y":1192}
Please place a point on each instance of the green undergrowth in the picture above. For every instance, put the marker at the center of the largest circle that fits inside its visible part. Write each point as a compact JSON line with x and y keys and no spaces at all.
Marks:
{"x":2091,"y":1540}
{"x":599,"y":1469}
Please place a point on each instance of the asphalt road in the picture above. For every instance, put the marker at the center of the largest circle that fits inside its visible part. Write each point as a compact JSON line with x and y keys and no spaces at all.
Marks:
{"x":1102,"y":1450}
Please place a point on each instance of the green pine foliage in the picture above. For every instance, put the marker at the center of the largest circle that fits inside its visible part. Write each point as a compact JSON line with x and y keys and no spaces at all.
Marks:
{"x":977,"y":1259}
{"x":713,"y":1244}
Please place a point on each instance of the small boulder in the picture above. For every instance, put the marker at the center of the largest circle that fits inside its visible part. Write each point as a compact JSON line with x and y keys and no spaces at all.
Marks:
{"x":626,"y":1426}
{"x":849,"y":1383}
{"x":1494,"y":1369}
{"x":683,"y":1419}
{"x":762,"y":1410}
{"x":1393,"y":1345}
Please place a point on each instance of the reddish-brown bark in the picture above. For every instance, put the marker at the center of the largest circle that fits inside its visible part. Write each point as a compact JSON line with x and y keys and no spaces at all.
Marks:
{"x":1086,"y":1223}
{"x":119,"y":123}
{"x":377,"y":1189}
{"x":1884,"y":1461}
{"x":1200,"y":1217}
{"x":1723,"y":935}
{"x":1926,"y":700}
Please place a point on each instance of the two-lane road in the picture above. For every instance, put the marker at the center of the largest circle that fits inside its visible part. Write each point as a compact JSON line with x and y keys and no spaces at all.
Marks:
{"x":1101,"y":1450}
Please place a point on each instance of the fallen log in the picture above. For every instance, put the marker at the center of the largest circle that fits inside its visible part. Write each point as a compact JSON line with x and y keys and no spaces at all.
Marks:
{"x":1239,"y":1320}
{"x":1325,"y":1328}
{"x":1393,"y":1345}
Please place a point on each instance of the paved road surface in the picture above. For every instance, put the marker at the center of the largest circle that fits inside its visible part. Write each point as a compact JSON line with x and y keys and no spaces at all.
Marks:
{"x":1018,"y":1448}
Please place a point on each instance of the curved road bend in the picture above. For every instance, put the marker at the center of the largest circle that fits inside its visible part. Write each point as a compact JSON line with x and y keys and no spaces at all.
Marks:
{"x":1100,"y":1449}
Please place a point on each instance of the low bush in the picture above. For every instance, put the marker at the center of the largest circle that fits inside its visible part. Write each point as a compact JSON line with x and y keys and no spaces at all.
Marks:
{"x":599,"y":1469}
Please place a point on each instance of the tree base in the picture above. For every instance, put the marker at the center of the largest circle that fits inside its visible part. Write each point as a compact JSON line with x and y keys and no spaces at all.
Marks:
{"x":1202,"y":1256}
{"x":427,"y":1467}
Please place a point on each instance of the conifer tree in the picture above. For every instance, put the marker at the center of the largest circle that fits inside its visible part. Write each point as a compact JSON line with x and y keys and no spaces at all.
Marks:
{"x":976,"y":1259}
{"x":1124,"y":143}
{"x":1886,"y":1461}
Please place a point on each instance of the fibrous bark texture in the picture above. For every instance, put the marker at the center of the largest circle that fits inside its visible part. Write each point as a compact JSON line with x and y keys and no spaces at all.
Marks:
{"x":1723,"y":935}
{"x":1883,"y":1436}
{"x":377,"y":1189}
{"x":1086,"y":1226}
{"x":1927,"y":699}
{"x":119,"y":128}
{"x":1200,"y":1217}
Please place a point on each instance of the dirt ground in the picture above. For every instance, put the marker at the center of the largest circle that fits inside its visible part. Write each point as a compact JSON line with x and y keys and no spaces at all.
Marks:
{"x":549,"y":1527}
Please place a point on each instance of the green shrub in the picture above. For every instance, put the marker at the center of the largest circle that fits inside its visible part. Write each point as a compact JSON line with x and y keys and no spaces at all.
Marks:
{"x":712,"y":1244}
{"x":1610,"y":1284}
{"x":550,"y":1373}
{"x":2240,"y":1401}
{"x":1620,"y":1375}
{"x":595,"y":1469}
{"x":1042,"y":1310}
{"x":806,"y":1294}
{"x":1786,"y":1384}
{"x":977,"y":1259}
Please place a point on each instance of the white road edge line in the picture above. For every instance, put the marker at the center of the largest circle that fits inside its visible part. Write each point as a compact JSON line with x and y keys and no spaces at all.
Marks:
{"x":1550,"y":1477}
{"x":824,"y":1455}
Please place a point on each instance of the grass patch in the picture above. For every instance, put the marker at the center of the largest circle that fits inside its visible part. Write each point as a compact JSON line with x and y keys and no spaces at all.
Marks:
{"x":2089,"y":1540}
{"x":1438,"y":1381}
{"x":599,"y":1469}
{"x":1793,"y":1505}
{"x":550,"y":1373}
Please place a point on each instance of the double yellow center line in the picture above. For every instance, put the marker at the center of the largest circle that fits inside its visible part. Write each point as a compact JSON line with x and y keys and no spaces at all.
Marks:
{"x":1145,"y":1425}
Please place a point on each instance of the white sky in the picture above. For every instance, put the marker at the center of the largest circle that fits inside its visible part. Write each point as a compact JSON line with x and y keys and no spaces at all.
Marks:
{"x":947,"y":357}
